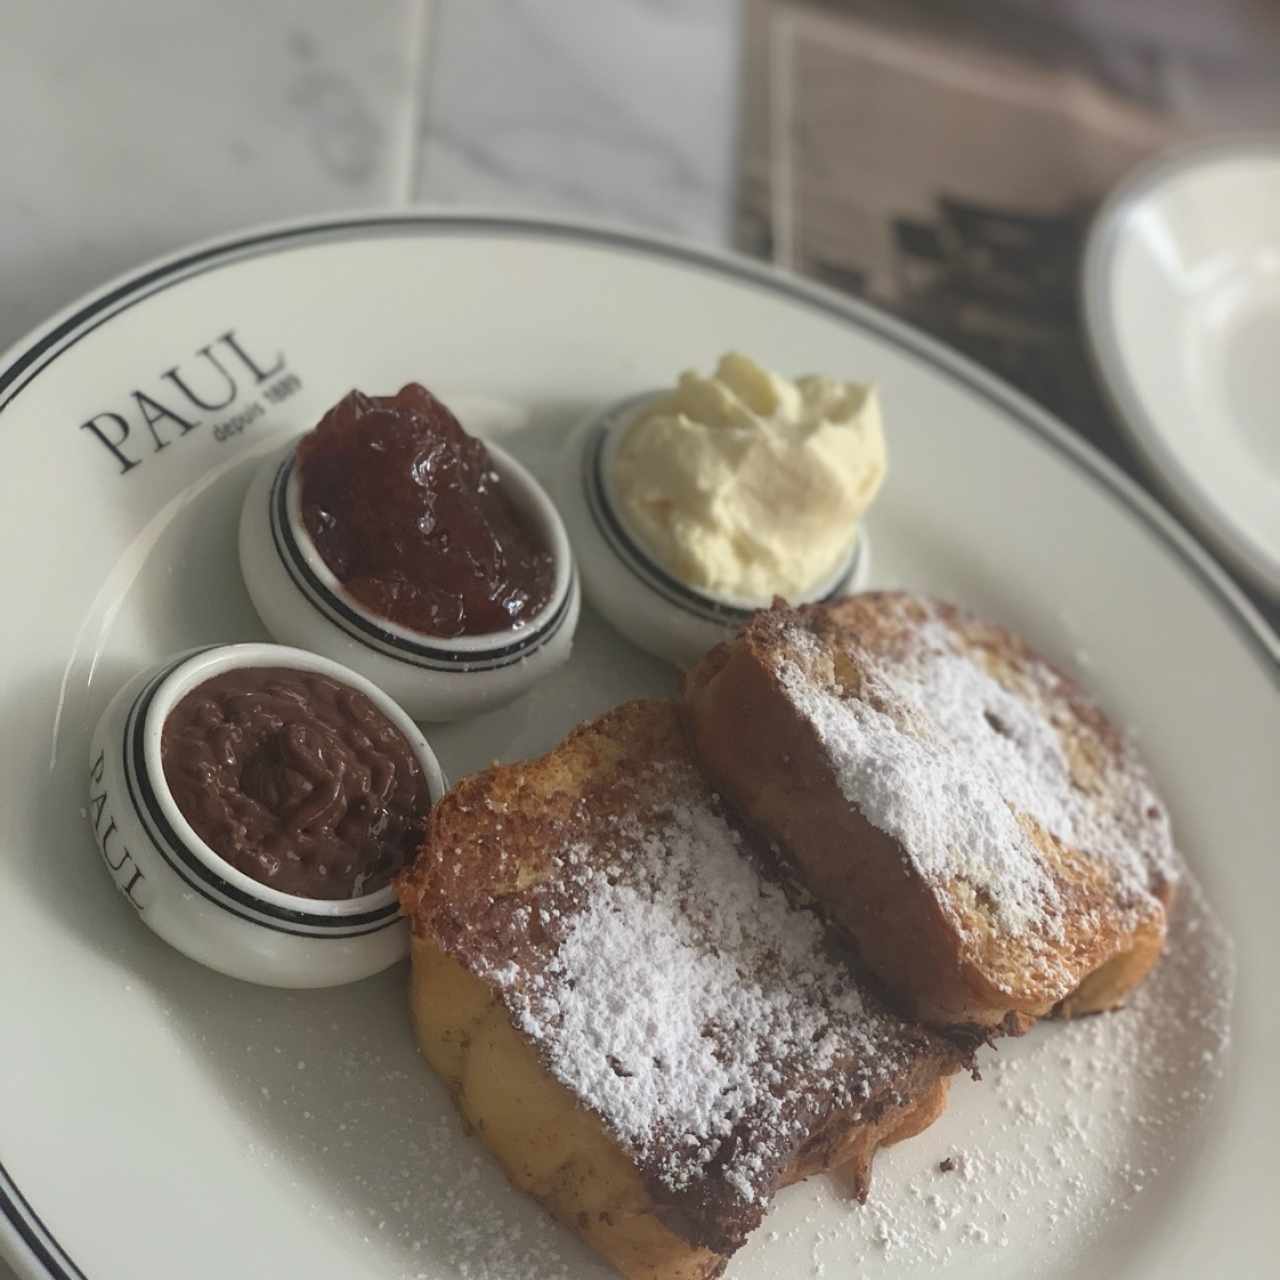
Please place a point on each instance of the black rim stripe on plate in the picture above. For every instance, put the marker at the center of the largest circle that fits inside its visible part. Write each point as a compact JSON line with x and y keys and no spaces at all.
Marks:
{"x":652,"y":574}
{"x":33,"y":1233}
{"x":368,"y":633}
{"x":1010,"y":404}
{"x":202,"y":878}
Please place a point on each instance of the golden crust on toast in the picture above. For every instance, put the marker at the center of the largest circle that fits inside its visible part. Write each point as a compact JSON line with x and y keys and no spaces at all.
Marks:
{"x":647,"y":1031}
{"x":989,"y":840}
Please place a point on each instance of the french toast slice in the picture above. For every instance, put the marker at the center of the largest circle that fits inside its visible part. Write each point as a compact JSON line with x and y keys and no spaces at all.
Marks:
{"x":989,"y":840}
{"x":649,"y":1034}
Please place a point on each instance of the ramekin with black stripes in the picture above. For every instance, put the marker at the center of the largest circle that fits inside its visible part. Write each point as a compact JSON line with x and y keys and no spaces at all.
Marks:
{"x":640,"y":597}
{"x":433,"y":678}
{"x":189,"y":895}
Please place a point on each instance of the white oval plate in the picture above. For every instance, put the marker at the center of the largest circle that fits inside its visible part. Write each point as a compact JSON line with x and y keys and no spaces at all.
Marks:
{"x":158,"y":1120}
{"x":1182,"y":305}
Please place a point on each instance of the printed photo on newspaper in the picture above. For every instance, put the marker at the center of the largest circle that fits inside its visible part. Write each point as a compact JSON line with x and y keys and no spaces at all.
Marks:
{"x":943,"y":160}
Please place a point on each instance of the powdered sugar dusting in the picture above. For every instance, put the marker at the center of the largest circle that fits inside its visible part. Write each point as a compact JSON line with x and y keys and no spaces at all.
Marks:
{"x":1067,"y":1148}
{"x":1013,"y":740}
{"x":937,"y":753}
{"x":694,"y":1008}
{"x":1068,"y":1144}
{"x":948,"y":814}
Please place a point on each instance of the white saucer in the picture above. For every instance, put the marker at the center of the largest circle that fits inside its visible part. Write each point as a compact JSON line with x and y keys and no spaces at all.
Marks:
{"x":1182,"y":305}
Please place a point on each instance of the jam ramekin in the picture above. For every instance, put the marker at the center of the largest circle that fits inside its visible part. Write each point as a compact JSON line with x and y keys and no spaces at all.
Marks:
{"x":637,"y":594}
{"x":434,"y":678}
{"x":189,"y":895}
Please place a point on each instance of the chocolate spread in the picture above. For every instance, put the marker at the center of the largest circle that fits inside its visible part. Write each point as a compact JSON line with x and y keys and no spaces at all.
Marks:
{"x":407,"y":511}
{"x":296,"y":780}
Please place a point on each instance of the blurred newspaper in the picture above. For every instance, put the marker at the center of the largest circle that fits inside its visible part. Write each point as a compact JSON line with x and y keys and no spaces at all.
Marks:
{"x":942,"y":157}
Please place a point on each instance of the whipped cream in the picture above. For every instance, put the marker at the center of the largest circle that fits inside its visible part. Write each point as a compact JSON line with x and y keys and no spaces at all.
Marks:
{"x":746,"y":484}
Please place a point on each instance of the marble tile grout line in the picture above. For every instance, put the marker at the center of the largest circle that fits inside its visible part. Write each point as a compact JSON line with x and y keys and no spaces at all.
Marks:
{"x":418,"y":59}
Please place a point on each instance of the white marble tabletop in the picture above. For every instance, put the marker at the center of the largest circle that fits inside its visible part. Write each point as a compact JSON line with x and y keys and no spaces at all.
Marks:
{"x":129,"y":130}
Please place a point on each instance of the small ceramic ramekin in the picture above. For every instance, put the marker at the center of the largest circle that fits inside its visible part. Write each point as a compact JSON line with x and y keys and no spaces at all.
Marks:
{"x":182,"y":889}
{"x":302,"y":603}
{"x":639,"y":596}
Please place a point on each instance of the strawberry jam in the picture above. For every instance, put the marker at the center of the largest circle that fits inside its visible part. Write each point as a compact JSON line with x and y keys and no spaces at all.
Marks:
{"x":408,"y":512}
